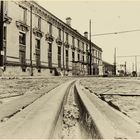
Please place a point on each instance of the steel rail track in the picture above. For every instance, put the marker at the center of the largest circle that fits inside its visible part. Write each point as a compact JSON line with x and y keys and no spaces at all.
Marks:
{"x":69,"y":111}
{"x":110,"y":123}
{"x":38,"y":119}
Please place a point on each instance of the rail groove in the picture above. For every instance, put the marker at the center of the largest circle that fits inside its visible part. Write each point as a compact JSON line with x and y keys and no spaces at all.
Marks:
{"x":69,"y":111}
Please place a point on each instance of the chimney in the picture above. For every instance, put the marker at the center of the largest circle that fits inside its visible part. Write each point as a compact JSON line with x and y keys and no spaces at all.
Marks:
{"x":86,"y":35}
{"x":68,"y":21}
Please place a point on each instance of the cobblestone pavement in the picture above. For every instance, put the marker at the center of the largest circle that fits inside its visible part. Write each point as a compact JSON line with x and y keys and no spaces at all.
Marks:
{"x":24,"y":94}
{"x":121,"y":93}
{"x":21,"y":86}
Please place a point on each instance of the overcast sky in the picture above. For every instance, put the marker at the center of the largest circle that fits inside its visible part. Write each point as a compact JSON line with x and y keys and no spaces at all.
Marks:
{"x":106,"y":16}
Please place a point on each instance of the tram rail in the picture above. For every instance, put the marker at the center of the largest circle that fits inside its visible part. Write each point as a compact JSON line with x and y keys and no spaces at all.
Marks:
{"x":69,"y":111}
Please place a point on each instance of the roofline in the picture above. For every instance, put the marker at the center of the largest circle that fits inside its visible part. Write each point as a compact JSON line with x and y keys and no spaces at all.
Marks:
{"x":106,"y":62}
{"x":67,"y":25}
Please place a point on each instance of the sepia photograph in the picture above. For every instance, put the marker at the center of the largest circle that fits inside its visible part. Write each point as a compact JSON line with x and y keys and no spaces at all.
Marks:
{"x":69,"y":69}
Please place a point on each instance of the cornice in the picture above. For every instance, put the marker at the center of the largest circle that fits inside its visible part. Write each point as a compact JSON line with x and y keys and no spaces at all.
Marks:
{"x":39,"y":10}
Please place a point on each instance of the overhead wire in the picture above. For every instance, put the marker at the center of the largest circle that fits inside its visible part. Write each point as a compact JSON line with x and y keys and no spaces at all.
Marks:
{"x":120,"y":32}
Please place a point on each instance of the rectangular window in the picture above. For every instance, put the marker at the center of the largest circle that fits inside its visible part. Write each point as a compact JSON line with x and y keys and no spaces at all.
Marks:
{"x":100,"y":55}
{"x":22,"y":38}
{"x":87,"y":59}
{"x":5,"y":33}
{"x":93,"y":52}
{"x":67,"y":60}
{"x":25,"y":15}
{"x":67,"y":38}
{"x":83,"y":46}
{"x":59,"y":50}
{"x":50,"y":55}
{"x":83,"y":58}
{"x":78,"y":43}
{"x":39,"y":23}
{"x":93,"y":59}
{"x":86,"y":47}
{"x":73,"y":56}
{"x":50,"y":28}
{"x":73,"y":41}
{"x":97,"y":54}
{"x":50,"y":48}
{"x":37,"y":44}
{"x":78,"y":57}
{"x":98,"y":62}
{"x":37,"y":52}
{"x":67,"y":53}
{"x":59,"y":56}
{"x":59,"y":33}
{"x":22,"y":49}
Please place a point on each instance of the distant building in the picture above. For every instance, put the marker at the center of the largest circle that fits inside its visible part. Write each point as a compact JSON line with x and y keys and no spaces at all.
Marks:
{"x":108,"y":68}
{"x":36,"y":41}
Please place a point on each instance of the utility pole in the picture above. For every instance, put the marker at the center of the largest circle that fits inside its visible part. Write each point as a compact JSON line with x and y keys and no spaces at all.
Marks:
{"x":63,"y":52}
{"x":1,"y":32}
{"x":125,"y":68}
{"x":90,"y":46}
{"x":134,"y":56}
{"x":31,"y":65}
{"x":136,"y":64}
{"x":114,"y":61}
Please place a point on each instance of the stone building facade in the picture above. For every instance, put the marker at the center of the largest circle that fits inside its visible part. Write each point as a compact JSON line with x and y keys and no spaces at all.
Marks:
{"x":38,"y":43}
